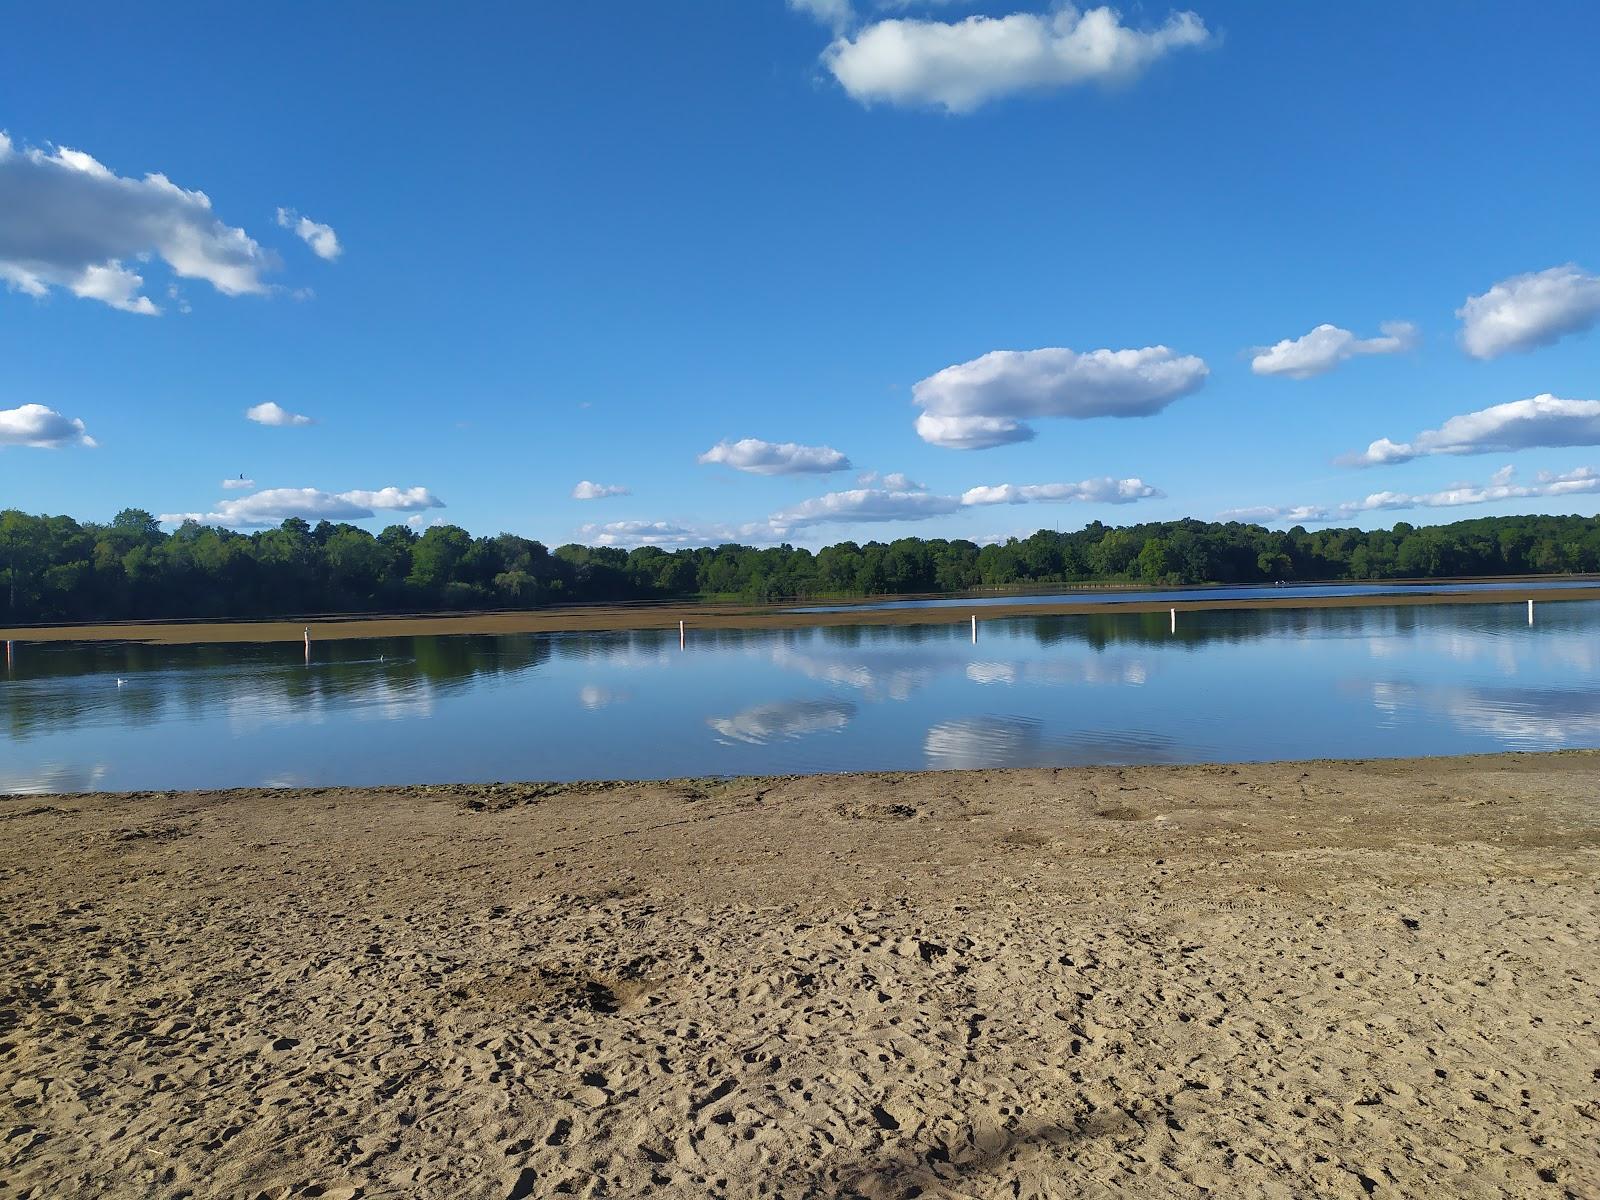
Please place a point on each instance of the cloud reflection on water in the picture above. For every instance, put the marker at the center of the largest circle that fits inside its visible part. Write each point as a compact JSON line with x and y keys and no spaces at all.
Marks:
{"x":786,"y":719}
{"x":52,"y":778}
{"x":976,"y":743}
{"x":1518,"y":717}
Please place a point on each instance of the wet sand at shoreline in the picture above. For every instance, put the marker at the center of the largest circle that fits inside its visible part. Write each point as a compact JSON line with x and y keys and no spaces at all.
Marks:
{"x":598,"y":618}
{"x":1332,"y":979}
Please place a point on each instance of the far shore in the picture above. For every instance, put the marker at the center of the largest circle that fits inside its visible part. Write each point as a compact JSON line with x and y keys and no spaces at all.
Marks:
{"x":637,"y":616}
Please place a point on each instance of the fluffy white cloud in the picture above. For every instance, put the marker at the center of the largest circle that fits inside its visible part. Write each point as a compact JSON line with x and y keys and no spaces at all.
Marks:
{"x":1581,"y":481}
{"x":1543,"y":421}
{"x":36,"y":425}
{"x":1326,"y":346}
{"x":641,"y":533}
{"x":962,"y":65}
{"x":324,"y":242}
{"x":1090,"y":491}
{"x":1300,"y":514}
{"x":1530,"y":310}
{"x":70,"y":222}
{"x":776,"y":458}
{"x":983,"y":403}
{"x":971,"y":433}
{"x":278,"y":504}
{"x":894,"y":481}
{"x":240,"y":484}
{"x":273,"y":413}
{"x":864,"y":504}
{"x":585,"y":490}
{"x":837,"y":15}
{"x":394,"y":499}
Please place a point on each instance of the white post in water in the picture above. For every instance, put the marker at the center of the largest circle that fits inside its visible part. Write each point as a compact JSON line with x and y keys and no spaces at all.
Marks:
{"x":974,"y":629}
{"x":1174,"y":620}
{"x":8,"y":656}
{"x":308,"y":645}
{"x":680,"y":635}
{"x":1530,"y":612}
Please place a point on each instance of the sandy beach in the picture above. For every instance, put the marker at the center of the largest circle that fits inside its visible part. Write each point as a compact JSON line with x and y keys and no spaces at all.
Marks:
{"x":1329,"y":979}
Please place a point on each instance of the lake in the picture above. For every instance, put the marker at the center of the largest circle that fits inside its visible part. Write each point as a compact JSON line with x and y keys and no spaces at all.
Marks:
{"x":1049,"y":691}
{"x":1243,"y":591}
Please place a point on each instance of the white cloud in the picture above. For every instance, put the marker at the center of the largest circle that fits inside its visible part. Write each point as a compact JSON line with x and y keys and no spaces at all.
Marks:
{"x":1090,"y":491}
{"x":394,"y":499}
{"x":962,"y":65}
{"x":971,"y":433}
{"x":983,"y":403}
{"x":324,"y":242}
{"x":272,"y":413}
{"x":1527,"y":311}
{"x":1543,"y":421}
{"x":1326,"y":346}
{"x":1581,"y":481}
{"x":70,"y":222}
{"x":41,"y":427}
{"x":585,"y":490}
{"x":240,"y":484}
{"x":278,"y":504}
{"x":864,"y":504}
{"x":1301,"y":514}
{"x":837,"y":15}
{"x":776,"y":458}
{"x":894,"y":481}
{"x":641,"y":533}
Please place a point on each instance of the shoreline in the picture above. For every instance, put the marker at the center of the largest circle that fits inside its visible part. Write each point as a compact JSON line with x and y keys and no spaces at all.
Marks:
{"x":607,"y":618}
{"x":1340,"y":978}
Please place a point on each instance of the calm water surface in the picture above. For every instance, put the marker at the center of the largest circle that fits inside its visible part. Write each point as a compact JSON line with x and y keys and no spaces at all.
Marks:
{"x":1302,"y":591}
{"x":1111,"y":688}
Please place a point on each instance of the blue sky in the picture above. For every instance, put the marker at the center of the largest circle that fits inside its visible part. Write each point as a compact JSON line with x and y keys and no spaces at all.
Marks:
{"x":589,"y":243}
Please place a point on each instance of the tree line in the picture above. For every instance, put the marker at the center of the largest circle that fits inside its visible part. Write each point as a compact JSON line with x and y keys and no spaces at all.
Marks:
{"x":55,"y":569}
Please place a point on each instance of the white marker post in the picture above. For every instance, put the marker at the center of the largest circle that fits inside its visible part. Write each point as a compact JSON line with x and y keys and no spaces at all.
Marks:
{"x":680,"y":635}
{"x":1174,"y":620}
{"x":974,"y":629}
{"x":1530,"y":612}
{"x":308,"y":645}
{"x":8,"y":656}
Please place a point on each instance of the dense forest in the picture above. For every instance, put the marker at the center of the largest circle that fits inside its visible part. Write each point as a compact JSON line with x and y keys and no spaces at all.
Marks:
{"x":59,"y":569}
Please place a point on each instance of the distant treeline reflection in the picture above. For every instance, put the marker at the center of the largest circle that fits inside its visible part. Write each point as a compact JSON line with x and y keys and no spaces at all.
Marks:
{"x":58,"y":569}
{"x":392,"y":673}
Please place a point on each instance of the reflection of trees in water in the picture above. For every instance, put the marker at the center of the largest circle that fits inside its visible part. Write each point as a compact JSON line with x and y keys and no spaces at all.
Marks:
{"x":53,"y":686}
{"x":1199,"y":628}
{"x":59,"y":685}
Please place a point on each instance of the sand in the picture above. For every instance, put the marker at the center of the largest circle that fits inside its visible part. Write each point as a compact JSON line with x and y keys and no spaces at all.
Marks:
{"x":1321,"y":979}
{"x":595,"y":618}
